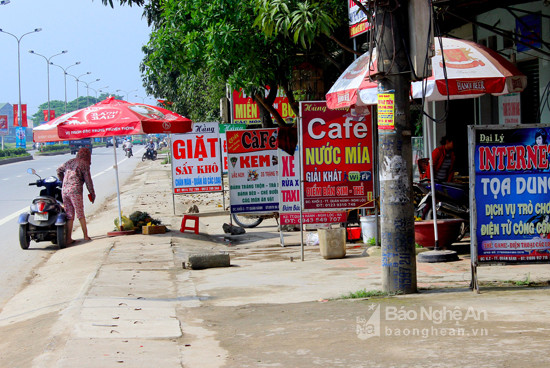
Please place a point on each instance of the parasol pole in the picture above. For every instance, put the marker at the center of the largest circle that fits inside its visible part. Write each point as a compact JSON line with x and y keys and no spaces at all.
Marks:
{"x":432,"y":184}
{"x":117,"y":188}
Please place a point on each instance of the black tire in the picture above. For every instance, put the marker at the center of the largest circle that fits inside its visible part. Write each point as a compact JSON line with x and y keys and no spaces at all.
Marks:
{"x":61,"y":236}
{"x":247,"y":221}
{"x":24,"y":237}
{"x":154,"y":156}
{"x":144,"y":157}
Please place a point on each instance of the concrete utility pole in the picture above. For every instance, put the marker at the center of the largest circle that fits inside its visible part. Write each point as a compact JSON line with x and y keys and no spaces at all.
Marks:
{"x":395,"y":150}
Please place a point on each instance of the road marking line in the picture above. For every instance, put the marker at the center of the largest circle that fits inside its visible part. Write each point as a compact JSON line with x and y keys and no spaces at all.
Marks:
{"x":12,"y":216}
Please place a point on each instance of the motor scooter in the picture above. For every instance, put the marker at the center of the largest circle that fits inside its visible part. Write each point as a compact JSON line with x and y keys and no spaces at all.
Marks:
{"x":46,"y":219}
{"x":452,"y":201}
{"x":150,"y":154}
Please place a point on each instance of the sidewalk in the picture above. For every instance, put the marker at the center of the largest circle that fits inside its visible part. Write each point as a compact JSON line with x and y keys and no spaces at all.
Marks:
{"x":127,"y":301}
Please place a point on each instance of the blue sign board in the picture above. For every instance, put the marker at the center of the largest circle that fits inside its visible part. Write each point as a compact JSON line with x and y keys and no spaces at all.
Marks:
{"x":511,"y":193}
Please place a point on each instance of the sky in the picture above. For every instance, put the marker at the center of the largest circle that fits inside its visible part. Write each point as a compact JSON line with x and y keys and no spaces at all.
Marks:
{"x":107,"y":41}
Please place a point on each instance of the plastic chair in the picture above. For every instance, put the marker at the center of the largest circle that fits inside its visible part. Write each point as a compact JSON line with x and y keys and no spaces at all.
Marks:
{"x":184,"y":226}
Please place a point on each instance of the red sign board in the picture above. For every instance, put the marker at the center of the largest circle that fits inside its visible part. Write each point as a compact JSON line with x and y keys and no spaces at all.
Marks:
{"x":336,"y":157}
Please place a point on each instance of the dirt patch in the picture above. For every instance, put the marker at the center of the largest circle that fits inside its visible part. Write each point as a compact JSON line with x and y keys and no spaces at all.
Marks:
{"x":23,"y":341}
{"x":327,"y":333}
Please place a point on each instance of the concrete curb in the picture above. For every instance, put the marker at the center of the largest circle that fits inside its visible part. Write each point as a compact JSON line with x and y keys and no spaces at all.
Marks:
{"x":15,"y":159}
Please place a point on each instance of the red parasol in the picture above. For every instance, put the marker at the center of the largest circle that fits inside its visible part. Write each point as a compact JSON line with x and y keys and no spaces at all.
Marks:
{"x":109,"y":118}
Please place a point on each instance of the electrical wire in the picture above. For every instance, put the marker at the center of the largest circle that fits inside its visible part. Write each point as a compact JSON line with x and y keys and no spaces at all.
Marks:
{"x":544,"y":101}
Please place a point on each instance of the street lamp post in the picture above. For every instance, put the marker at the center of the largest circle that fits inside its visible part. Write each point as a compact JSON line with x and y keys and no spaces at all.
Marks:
{"x":19,"y":65}
{"x":126,"y":92}
{"x":142,"y":99}
{"x":87,"y":89}
{"x":104,"y":89}
{"x":65,"y":78}
{"x":78,"y":80}
{"x":48,"y":70}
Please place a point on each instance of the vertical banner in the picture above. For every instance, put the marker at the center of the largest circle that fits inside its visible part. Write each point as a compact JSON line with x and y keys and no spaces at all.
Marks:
{"x":4,"y":130}
{"x":52,"y":115}
{"x":336,"y":157}
{"x":253,"y":170}
{"x":223,"y":141}
{"x":510,"y":108}
{"x":15,"y":115}
{"x":196,"y":160}
{"x":510,"y":194}
{"x":386,"y":111}
{"x":20,"y":137}
{"x":24,"y":115}
{"x":46,"y":115}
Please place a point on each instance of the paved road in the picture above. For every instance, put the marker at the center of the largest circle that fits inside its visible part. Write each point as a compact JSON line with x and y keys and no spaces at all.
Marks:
{"x":15,"y":196}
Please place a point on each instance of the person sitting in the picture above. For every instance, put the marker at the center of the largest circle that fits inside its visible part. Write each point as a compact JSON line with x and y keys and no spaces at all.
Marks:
{"x":443,"y":159}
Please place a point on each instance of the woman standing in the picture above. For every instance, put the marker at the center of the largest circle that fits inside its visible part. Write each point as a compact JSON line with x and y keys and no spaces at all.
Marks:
{"x":74,"y":173}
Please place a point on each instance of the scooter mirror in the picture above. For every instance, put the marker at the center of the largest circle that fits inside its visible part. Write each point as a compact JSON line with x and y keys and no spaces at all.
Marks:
{"x":32,"y":171}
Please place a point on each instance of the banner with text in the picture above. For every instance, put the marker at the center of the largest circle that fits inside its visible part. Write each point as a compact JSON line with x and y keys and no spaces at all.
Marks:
{"x":289,"y":195}
{"x":253,"y":174}
{"x":196,"y":160}
{"x":336,"y":157}
{"x":511,"y":193}
{"x":246,"y":111}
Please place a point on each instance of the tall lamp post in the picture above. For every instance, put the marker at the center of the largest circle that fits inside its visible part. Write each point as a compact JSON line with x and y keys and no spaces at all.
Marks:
{"x":126,"y":92}
{"x":48,"y":59}
{"x":65,"y":78}
{"x":142,"y":98}
{"x":88,"y":88}
{"x":19,"y":65}
{"x":104,"y":89}
{"x":77,"y":79}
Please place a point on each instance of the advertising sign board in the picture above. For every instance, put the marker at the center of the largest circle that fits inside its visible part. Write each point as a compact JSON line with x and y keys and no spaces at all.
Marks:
{"x":510,"y":193}
{"x":289,"y":191}
{"x":253,"y":170}
{"x":336,"y":157}
{"x":196,"y":160}
{"x":4,"y":125}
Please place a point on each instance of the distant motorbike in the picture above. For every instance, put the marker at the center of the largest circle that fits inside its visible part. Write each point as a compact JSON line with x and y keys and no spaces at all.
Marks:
{"x":452,"y":201}
{"x":128,"y":152}
{"x":46,"y":219}
{"x":150,"y":154}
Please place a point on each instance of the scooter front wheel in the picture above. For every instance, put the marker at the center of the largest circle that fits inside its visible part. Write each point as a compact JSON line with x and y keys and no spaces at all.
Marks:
{"x":144,"y":157}
{"x":24,"y":237}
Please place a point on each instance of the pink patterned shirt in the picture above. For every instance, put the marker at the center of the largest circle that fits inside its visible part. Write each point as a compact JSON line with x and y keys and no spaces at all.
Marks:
{"x":74,"y":173}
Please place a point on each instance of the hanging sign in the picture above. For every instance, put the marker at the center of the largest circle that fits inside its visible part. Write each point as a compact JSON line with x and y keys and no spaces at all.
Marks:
{"x":510,"y":194}
{"x":223,"y":140}
{"x":510,"y":108}
{"x":336,"y":157}
{"x":386,"y":111}
{"x":196,"y":160}
{"x":253,"y":176}
{"x":358,"y":20}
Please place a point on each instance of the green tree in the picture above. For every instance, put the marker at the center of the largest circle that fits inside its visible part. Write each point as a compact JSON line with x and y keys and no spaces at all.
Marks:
{"x":198,"y":46}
